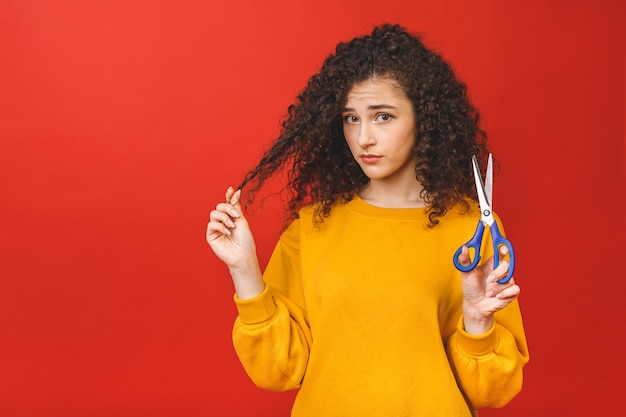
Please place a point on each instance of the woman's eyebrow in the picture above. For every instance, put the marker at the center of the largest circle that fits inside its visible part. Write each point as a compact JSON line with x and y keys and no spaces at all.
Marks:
{"x":381,"y":106}
{"x":373,"y":107}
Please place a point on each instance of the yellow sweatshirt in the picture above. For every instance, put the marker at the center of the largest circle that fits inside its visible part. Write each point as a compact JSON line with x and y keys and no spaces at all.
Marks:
{"x":363,"y":316}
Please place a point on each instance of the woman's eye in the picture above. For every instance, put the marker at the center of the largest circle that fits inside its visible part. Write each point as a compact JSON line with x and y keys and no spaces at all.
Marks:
{"x":383,"y":117}
{"x":350,"y":119}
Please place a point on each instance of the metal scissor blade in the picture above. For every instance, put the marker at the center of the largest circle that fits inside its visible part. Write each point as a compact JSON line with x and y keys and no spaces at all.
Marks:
{"x":483,"y":198}
{"x":489,"y":181}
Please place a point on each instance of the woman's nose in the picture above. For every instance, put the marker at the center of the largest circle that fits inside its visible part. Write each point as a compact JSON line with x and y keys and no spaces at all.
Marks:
{"x":366,"y":137}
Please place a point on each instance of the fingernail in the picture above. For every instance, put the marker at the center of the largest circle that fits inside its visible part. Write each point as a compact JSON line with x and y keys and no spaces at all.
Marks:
{"x":489,"y":294}
{"x":234,"y":213}
{"x":231,"y":223}
{"x":490,"y":279}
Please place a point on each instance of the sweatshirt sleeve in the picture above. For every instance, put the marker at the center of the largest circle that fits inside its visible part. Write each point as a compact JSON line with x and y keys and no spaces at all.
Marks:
{"x":489,"y":366}
{"x":271,"y":335}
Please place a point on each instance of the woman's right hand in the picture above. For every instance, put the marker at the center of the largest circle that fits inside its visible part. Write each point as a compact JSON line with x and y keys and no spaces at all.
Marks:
{"x":229,"y":235}
{"x":228,"y":232}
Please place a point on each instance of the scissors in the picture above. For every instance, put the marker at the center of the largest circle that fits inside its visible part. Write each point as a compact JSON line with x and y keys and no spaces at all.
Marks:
{"x":486,"y":219}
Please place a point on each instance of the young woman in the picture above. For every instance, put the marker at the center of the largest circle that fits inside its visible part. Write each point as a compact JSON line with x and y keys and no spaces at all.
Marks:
{"x":360,"y":306}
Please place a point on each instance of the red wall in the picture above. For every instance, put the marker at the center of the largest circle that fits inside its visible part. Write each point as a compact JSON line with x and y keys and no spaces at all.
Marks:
{"x":122,"y":122}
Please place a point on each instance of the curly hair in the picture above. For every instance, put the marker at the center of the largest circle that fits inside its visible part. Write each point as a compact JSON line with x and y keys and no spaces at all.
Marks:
{"x":312,"y":150}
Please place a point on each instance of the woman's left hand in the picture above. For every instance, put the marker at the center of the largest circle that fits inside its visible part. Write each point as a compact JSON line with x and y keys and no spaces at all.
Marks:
{"x":483,"y":295}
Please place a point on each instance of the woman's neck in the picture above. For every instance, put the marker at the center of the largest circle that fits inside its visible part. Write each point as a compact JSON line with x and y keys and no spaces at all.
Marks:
{"x":389,"y":195}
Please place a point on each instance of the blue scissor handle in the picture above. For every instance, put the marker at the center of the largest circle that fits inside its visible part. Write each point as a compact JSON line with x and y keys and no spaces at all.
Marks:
{"x":499,"y":240}
{"x":474,"y":243}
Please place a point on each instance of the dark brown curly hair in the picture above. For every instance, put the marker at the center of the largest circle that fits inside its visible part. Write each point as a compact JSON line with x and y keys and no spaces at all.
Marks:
{"x":312,"y":150}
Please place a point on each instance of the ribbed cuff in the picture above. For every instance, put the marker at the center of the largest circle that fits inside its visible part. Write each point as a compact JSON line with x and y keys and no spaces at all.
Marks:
{"x":476,"y":345}
{"x":256,"y":310}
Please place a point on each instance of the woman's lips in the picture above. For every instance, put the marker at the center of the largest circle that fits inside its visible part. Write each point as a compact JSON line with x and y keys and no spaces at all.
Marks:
{"x":370,"y":159}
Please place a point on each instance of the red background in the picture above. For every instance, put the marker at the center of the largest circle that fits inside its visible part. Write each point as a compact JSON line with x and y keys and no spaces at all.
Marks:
{"x":122,"y":123}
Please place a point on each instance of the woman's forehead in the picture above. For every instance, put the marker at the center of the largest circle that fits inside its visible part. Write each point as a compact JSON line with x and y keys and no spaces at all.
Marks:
{"x":376,"y":88}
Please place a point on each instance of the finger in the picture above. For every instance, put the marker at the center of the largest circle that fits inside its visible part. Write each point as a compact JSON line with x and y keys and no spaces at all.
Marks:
{"x":222,"y":217}
{"x":215,"y":230}
{"x":228,"y":209}
{"x":503,"y":251}
{"x":235,"y":202}
{"x":229,"y":194}
{"x":494,"y":288}
{"x":464,"y":258}
{"x":236,"y":198}
{"x":499,"y":272}
{"x":509,"y":293}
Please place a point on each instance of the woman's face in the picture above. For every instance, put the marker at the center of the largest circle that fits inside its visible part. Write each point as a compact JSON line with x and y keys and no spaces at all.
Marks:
{"x":379,"y":127}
